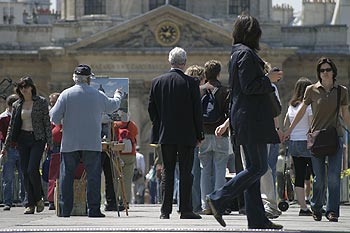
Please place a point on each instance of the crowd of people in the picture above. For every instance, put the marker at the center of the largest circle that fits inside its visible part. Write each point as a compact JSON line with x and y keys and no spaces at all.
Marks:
{"x":217,"y":121}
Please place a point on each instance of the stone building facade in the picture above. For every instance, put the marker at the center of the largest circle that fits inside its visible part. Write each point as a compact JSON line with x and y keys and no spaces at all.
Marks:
{"x":132,"y":39}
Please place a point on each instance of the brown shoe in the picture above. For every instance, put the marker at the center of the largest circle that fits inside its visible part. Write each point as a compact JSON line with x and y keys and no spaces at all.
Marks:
{"x":40,"y":206}
{"x":29,"y":210}
{"x":332,"y":217}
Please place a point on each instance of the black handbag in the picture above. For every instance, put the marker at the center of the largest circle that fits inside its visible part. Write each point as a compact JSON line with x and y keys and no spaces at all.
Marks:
{"x":325,"y":142}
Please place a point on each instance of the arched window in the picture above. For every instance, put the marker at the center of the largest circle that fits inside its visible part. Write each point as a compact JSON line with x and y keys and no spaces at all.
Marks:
{"x":94,"y":7}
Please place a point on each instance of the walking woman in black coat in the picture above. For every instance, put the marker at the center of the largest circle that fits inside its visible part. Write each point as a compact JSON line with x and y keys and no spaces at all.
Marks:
{"x":252,"y":123}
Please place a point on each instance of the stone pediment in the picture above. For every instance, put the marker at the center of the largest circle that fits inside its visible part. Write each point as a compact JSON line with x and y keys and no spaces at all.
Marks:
{"x":166,"y":26}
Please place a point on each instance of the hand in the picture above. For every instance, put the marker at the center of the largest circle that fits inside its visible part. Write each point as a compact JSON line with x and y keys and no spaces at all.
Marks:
{"x":118,"y":91}
{"x":3,"y":152}
{"x":220,"y":130}
{"x":286,"y":135}
{"x":275,"y":75}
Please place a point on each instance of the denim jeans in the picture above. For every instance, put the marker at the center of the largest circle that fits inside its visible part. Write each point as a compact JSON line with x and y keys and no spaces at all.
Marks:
{"x":333,"y":181}
{"x":92,"y":164}
{"x":8,"y":175}
{"x":213,"y":156}
{"x":248,"y":181}
{"x":196,"y":186}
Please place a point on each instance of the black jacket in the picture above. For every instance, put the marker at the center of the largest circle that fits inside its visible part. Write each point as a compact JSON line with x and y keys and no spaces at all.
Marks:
{"x":175,"y":109}
{"x":40,"y":121}
{"x":251,"y":113}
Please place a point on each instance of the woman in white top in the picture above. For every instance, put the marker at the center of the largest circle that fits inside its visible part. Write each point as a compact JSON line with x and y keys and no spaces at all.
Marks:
{"x":298,"y":141}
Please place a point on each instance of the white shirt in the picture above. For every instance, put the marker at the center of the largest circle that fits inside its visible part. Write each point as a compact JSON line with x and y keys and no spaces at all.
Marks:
{"x":301,"y":129}
{"x":140,"y":162}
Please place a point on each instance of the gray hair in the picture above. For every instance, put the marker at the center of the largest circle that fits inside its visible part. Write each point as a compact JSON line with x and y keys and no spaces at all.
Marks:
{"x":177,"y":56}
{"x":77,"y":78}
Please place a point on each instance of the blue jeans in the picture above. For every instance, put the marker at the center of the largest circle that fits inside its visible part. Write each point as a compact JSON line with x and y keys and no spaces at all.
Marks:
{"x":333,"y":181}
{"x":213,"y":156}
{"x":196,"y":186}
{"x":8,"y":174}
{"x":248,"y":181}
{"x":92,"y":164}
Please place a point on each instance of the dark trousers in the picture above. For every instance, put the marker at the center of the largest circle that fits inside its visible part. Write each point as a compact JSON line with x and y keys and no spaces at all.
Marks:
{"x":171,"y":154}
{"x":31,"y":152}
{"x":248,"y":181}
{"x":109,"y":188}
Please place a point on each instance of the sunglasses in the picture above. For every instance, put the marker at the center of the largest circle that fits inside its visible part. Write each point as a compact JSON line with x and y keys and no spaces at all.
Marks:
{"x":24,"y":86}
{"x":327,"y":70}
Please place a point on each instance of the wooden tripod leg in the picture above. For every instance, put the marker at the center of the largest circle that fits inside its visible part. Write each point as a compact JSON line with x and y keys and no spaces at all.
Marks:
{"x":115,"y":181}
{"x":121,"y":181}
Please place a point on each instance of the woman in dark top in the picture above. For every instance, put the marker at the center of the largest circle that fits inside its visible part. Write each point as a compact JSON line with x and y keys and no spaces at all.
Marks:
{"x":30,"y":128}
{"x":251,"y":121}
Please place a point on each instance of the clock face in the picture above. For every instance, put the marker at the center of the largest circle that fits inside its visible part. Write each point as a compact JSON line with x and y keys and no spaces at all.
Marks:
{"x":167,"y":34}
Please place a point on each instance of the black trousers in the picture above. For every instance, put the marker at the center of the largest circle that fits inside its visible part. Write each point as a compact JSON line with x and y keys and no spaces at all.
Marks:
{"x":171,"y":154}
{"x":31,"y":152}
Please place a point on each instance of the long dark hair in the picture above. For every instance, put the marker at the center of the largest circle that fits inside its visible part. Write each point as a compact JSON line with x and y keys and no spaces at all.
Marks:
{"x":322,"y":61}
{"x":247,"y":31}
{"x":25,"y":81}
{"x":299,"y":90}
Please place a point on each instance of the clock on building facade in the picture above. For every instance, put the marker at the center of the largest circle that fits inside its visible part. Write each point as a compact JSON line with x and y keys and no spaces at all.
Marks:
{"x":167,"y":33}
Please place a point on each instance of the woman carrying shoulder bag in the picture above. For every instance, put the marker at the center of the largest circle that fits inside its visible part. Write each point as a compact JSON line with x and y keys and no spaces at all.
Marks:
{"x":323,"y":99}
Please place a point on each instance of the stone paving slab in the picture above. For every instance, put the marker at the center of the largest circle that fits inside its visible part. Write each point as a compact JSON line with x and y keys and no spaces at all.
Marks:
{"x":145,"y":218}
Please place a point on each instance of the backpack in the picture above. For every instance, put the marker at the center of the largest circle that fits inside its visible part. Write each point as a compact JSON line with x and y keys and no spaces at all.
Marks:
{"x":124,"y":136}
{"x":210,"y":107}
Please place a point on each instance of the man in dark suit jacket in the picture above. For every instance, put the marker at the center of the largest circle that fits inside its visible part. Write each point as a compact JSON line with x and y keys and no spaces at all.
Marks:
{"x":175,"y":111}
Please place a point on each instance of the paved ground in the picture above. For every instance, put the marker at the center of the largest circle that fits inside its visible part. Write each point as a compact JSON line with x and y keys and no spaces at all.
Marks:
{"x":145,"y":218}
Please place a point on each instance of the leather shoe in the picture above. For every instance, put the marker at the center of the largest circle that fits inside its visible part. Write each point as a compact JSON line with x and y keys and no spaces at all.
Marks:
{"x":112,"y":207}
{"x":268,"y":225}
{"x":190,"y":215}
{"x":332,"y":217}
{"x":96,"y":215}
{"x":317,"y":216}
{"x":164,"y":216}
{"x":217,"y":215}
{"x":40,"y":206}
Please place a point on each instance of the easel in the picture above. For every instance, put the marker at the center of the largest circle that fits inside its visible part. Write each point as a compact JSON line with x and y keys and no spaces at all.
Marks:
{"x":112,"y":149}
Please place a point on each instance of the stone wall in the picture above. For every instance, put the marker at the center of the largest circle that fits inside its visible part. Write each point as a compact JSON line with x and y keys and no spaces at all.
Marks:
{"x":323,"y":37}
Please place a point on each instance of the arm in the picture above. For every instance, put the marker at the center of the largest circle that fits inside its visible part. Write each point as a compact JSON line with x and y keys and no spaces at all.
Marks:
{"x":279,"y":131}
{"x":346,"y":115}
{"x":251,"y":80}
{"x":57,"y":111}
{"x":222,"y":128}
{"x":112,"y":104}
{"x":47,"y":124}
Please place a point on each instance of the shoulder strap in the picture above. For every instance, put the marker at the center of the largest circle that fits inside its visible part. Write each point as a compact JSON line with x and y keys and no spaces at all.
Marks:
{"x":338,"y":103}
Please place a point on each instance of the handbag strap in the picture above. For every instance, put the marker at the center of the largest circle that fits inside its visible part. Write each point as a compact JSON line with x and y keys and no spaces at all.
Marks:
{"x":338,"y":104}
